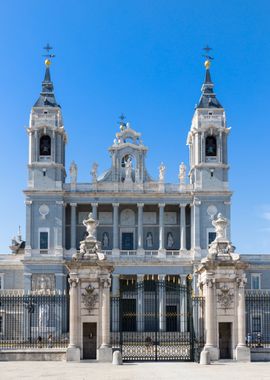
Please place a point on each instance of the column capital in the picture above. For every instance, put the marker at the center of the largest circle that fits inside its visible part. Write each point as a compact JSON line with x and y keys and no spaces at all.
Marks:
{"x":94,"y":204}
{"x":72,"y":204}
{"x":73,"y":282}
{"x":106,"y":282}
{"x":140,"y":204}
{"x":161,"y":205}
{"x":182,"y":205}
{"x":28,"y":202}
{"x":60,"y":203}
{"x":115,"y":204}
{"x":196,"y":202}
{"x":241,"y":282}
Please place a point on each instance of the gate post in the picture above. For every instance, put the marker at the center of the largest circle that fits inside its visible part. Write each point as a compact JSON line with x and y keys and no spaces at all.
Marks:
{"x":73,"y":352}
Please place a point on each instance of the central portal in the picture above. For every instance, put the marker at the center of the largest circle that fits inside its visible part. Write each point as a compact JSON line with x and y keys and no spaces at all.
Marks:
{"x":225,"y":340}
{"x":89,"y":341}
{"x":127,"y":241}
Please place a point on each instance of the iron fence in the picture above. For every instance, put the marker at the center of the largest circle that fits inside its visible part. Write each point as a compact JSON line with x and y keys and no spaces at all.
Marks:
{"x":258,"y":319}
{"x":33,"y":321}
{"x":157,"y":321}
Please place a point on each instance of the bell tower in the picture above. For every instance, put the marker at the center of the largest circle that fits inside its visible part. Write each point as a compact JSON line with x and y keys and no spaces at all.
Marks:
{"x":47,"y":140}
{"x":207,"y":139}
{"x":45,"y":207}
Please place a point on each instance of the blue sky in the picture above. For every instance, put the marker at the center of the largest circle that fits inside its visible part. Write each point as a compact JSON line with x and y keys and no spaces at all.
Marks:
{"x":142,"y":58}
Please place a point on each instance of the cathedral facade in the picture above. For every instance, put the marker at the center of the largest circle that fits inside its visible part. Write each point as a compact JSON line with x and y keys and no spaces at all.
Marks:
{"x":150,"y":230}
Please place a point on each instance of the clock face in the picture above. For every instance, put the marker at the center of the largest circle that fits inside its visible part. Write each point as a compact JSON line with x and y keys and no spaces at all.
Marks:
{"x":212,"y":210}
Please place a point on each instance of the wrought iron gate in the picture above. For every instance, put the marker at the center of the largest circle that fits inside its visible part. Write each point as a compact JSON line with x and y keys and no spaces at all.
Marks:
{"x":154,"y":321}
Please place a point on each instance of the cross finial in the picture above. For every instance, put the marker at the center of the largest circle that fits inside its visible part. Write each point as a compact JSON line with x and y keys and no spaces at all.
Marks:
{"x":49,"y":55}
{"x":122,"y":118}
{"x":207,"y":50}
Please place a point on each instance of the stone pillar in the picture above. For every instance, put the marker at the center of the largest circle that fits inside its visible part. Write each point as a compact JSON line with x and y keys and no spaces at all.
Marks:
{"x":242,"y":352}
{"x":196,"y":226}
{"x":59,"y":228}
{"x":105,"y":350}
{"x":116,"y":250}
{"x":140,"y":305}
{"x":73,"y":352}
{"x":94,"y":210}
{"x":210,"y":319}
{"x":162,"y":251}
{"x":183,"y":227}
{"x":73,"y":226}
{"x":162,"y":302}
{"x":140,"y":228}
{"x":28,"y":239}
{"x":115,"y":302}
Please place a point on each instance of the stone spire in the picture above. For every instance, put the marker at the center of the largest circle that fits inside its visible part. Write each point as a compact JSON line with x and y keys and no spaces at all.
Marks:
{"x":208,"y":98}
{"x":47,"y":98}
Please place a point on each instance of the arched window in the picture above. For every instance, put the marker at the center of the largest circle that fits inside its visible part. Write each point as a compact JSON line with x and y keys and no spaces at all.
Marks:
{"x":45,"y":146}
{"x":210,"y":146}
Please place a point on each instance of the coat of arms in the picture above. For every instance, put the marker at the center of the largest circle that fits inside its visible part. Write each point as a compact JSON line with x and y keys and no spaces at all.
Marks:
{"x":89,"y":297}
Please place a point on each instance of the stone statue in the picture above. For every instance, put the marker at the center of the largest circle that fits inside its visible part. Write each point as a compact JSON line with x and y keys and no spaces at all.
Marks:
{"x":91,"y":227}
{"x":73,"y":171}
{"x":93,"y":172}
{"x":220,"y":225}
{"x":105,"y":240}
{"x":149,"y":240}
{"x":162,"y":169}
{"x":43,"y":316}
{"x":128,"y":169}
{"x":182,"y":173}
{"x":170,"y":241}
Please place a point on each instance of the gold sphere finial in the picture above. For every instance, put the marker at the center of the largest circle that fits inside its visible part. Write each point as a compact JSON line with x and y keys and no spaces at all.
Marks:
{"x":207,"y":64}
{"x":47,"y":62}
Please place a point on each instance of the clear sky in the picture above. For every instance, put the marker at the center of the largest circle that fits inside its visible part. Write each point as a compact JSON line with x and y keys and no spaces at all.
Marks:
{"x":142,"y":58}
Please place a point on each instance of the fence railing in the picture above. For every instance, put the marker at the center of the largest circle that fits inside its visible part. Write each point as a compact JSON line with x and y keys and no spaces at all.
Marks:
{"x":258,"y":319}
{"x":34,"y":321}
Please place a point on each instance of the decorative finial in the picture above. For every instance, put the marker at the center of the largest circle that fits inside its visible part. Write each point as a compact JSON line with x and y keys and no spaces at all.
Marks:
{"x":121,"y":122}
{"x":48,"y":55}
{"x":209,"y":58}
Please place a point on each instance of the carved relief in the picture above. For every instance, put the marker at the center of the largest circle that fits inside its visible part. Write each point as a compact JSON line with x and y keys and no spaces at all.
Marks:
{"x":44,"y":211}
{"x":127,"y":218}
{"x":149,"y":218}
{"x":225,"y":297}
{"x":89,"y":297}
{"x":105,"y":217}
{"x":170,"y":217}
{"x":43,"y":282}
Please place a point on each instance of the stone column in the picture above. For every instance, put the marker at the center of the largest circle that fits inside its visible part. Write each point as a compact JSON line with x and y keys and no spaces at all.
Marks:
{"x":210,"y":319}
{"x":73,"y":352}
{"x":140,"y":305}
{"x":28,"y":239}
{"x":116,"y":229}
{"x":115,"y":301}
{"x":73,"y":226}
{"x":242,"y":352}
{"x":140,"y":228}
{"x":59,"y":228}
{"x":162,"y":302}
{"x":161,"y":229}
{"x":183,"y":227}
{"x":196,"y":226}
{"x":105,"y":350}
{"x":94,"y":210}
